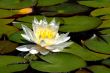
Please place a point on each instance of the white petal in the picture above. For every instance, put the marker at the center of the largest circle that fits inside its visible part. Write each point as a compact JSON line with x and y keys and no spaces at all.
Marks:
{"x":56,"y":50}
{"x":62,"y":38}
{"x":44,"y":52}
{"x":44,"y":21}
{"x":24,"y":48}
{"x":35,"y":21}
{"x":53,"y":23}
{"x":33,"y":51}
{"x":29,"y":33}
{"x":25,"y":37}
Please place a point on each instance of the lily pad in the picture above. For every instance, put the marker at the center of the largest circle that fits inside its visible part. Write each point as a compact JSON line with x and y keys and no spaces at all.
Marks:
{"x":105,"y":24}
{"x":80,"y":23}
{"x":8,"y":60}
{"x":10,"y":64}
{"x":58,"y":62}
{"x":99,"y":69}
{"x":7,"y":13}
{"x":105,"y":17}
{"x":17,"y":4}
{"x":65,"y":8}
{"x":99,"y":45}
{"x":97,"y":3}
{"x":49,"y":2}
{"x":6,"y":29}
{"x":101,"y":11}
{"x":85,"y":53}
{"x":106,"y":62}
{"x":16,"y":37}
{"x":7,"y":46}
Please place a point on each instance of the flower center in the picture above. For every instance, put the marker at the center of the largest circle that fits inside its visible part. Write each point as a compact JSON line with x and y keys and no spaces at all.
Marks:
{"x":43,"y":33}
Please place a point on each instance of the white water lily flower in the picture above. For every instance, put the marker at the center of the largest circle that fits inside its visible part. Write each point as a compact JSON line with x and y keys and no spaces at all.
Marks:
{"x":45,"y":36}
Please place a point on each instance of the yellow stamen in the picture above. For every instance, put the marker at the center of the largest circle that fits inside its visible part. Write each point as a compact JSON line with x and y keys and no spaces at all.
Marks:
{"x":43,"y":33}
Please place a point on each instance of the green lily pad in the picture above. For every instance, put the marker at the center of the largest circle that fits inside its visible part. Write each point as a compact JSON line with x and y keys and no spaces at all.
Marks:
{"x":97,"y":3}
{"x":101,"y":11}
{"x":65,"y":8}
{"x":58,"y":62}
{"x":7,"y":13}
{"x":7,"y":46}
{"x":16,"y":37}
{"x":99,"y":45}
{"x":85,"y":53}
{"x":13,"y":68}
{"x":49,"y":2}
{"x":105,"y":17}
{"x":105,"y":24}
{"x":16,"y":4}
{"x":6,"y":29}
{"x":10,"y":64}
{"x":8,"y":60}
{"x":99,"y":69}
{"x":80,"y":23}
{"x":106,"y":62}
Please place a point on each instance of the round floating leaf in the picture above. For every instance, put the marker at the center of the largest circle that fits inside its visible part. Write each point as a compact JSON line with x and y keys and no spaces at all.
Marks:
{"x":105,"y":17}
{"x":7,"y":13}
{"x":8,"y":60}
{"x":79,"y":23}
{"x":97,"y":3}
{"x":99,"y":69}
{"x":16,"y":37}
{"x":85,"y":53}
{"x":99,"y":45}
{"x":101,"y":11}
{"x":13,"y":68}
{"x":29,"y":19}
{"x":49,"y":2}
{"x":18,"y":24}
{"x":58,"y":62}
{"x":7,"y":46}
{"x":105,"y":24}
{"x":106,"y":62}
{"x":15,"y":4}
{"x":10,"y":64}
{"x":6,"y":29}
{"x":65,"y":8}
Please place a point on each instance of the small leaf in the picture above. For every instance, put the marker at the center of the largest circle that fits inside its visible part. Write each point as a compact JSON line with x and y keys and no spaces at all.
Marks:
{"x":7,"y":13}
{"x":8,"y":60}
{"x":16,"y":37}
{"x":105,"y":17}
{"x":7,"y":46}
{"x":6,"y":29}
{"x":97,"y":3}
{"x":80,"y":23}
{"x":105,"y":24}
{"x":10,"y":64}
{"x":99,"y":69}
{"x":49,"y":2}
{"x":99,"y":45}
{"x":85,"y":53}
{"x":101,"y":11}
{"x":13,"y":68}
{"x":106,"y":62}
{"x":16,"y":4}
{"x":58,"y":62}
{"x":65,"y":8}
